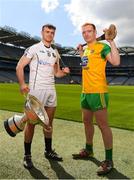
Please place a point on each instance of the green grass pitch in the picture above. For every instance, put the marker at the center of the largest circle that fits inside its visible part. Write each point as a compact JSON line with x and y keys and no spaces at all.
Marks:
{"x":121,"y":104}
{"x":68,"y":137}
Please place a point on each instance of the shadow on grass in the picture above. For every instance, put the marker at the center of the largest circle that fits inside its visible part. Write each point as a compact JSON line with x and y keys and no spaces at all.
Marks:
{"x":37,"y":174}
{"x":114,"y":174}
{"x":60,"y":171}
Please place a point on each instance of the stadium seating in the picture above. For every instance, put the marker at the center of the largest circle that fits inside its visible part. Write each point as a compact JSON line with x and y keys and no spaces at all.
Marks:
{"x":11,"y":53}
{"x":121,"y":75}
{"x":130,"y":81}
{"x":8,"y":71}
{"x":118,"y":80}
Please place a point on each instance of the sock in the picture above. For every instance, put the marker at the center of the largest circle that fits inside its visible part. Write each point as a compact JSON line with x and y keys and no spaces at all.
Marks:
{"x":89,"y":147}
{"x":109,"y":154}
{"x":48,"y":144}
{"x":27,"y":148}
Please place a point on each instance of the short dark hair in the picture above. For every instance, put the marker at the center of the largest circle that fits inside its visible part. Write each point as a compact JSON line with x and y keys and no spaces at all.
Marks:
{"x":89,"y":24}
{"x":50,"y":26}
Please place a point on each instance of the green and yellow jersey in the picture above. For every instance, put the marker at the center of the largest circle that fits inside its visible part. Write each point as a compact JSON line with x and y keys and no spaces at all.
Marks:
{"x":93,"y":68}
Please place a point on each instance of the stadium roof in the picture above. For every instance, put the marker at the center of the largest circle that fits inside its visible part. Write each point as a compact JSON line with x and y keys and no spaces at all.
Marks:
{"x":9,"y":35}
{"x":126,"y":50}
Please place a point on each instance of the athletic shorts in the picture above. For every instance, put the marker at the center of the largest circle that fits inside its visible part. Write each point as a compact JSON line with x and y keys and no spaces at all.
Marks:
{"x":46,"y":96}
{"x":94,"y":101}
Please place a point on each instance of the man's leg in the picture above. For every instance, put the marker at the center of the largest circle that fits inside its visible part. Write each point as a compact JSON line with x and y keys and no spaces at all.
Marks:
{"x":102,"y":122}
{"x":48,"y":135}
{"x":49,"y":152}
{"x":87,"y":117}
{"x":28,"y":136}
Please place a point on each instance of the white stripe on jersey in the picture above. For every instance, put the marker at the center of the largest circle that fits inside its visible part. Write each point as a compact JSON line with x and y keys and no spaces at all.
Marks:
{"x":41,"y":66}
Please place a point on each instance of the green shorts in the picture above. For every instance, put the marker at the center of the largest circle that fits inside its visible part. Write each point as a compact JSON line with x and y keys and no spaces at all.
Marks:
{"x":94,"y":101}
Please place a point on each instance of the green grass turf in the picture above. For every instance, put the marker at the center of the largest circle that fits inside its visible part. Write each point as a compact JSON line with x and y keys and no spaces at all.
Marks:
{"x":68,"y":138}
{"x":121,"y":106}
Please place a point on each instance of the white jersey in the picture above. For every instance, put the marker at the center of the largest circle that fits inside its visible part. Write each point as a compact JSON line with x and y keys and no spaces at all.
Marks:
{"x":41,"y":65}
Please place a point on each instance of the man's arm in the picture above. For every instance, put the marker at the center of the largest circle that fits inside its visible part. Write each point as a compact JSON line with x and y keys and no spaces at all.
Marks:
{"x":57,"y":71}
{"x":20,"y":74}
{"x":113,"y":57}
{"x":60,"y":72}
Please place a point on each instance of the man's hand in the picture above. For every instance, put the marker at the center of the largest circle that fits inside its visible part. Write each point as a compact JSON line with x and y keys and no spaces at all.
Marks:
{"x":66,"y":70}
{"x":80,"y":49}
{"x":24,"y":89}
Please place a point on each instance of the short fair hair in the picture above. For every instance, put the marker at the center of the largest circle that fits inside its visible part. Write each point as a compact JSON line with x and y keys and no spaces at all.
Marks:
{"x":89,"y":24}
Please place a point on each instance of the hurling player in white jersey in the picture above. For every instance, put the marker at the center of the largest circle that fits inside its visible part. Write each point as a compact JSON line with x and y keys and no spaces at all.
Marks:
{"x":44,"y":65}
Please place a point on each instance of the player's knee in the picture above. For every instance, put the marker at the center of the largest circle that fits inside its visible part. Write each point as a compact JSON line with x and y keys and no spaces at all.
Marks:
{"x":86,"y":120}
{"x":30,"y":127}
{"x":103,"y":127}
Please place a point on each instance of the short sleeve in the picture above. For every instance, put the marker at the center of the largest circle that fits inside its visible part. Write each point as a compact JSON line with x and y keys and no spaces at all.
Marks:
{"x":105,"y":51}
{"x":29,"y":52}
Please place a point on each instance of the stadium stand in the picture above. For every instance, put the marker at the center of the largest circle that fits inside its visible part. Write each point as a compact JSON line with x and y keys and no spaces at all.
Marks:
{"x":130,"y":81}
{"x":13,"y":45}
{"x":119,"y":80}
{"x":10,"y":52}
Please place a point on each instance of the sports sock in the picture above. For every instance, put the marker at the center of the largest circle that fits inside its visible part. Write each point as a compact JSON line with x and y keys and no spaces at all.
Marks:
{"x":109,"y":154}
{"x":48,"y":144}
{"x":89,"y":147}
{"x":27,"y":148}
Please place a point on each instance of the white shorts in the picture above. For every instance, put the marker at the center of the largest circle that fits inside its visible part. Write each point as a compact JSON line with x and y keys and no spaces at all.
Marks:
{"x":46,"y":96}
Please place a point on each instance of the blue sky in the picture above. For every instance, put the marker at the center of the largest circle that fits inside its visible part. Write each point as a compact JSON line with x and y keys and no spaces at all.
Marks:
{"x":68,"y":16}
{"x":28,"y":16}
